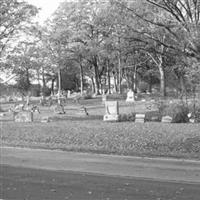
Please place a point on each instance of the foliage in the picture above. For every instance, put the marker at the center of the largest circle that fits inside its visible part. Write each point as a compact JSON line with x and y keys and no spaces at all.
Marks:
{"x":194,"y":109}
{"x":87,"y":96}
{"x":13,"y":16}
{"x":127,"y":117}
{"x":46,"y":91}
{"x":107,"y":40}
{"x":23,"y":83}
{"x":143,"y":86}
{"x":177,"y":110}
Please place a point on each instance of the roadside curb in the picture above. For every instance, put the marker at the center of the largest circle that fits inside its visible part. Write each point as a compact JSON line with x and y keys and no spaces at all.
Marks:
{"x":107,"y":155}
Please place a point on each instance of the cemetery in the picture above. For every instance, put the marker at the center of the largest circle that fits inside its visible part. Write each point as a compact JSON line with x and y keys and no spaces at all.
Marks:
{"x":114,"y":127}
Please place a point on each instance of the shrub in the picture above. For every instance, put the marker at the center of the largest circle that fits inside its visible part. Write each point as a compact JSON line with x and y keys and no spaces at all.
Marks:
{"x":87,"y":96}
{"x":46,"y":91}
{"x":152,"y":116}
{"x":117,"y":96}
{"x":127,"y":117}
{"x":177,"y":110}
{"x":143,"y":86}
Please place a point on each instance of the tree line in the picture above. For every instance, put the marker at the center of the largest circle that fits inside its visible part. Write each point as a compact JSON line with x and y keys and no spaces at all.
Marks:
{"x":149,"y":41}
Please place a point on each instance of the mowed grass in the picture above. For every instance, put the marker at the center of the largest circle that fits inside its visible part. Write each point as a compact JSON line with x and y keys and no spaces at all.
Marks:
{"x":91,"y":134}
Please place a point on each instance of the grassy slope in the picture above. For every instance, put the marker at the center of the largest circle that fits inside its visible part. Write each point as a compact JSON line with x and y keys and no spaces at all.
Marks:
{"x":94,"y":135}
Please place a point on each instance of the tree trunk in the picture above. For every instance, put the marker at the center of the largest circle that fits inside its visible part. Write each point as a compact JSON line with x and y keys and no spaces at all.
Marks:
{"x":43,"y":79}
{"x":150,"y":84}
{"x":93,"y":85}
{"x":162,"y":77}
{"x":135,"y":80}
{"x":96,"y":72}
{"x":108,"y":78}
{"x":59,"y":86}
{"x":182,"y":84}
{"x":52,"y":86}
{"x":119,"y":71}
{"x":115,"y":83}
{"x":81,"y":78}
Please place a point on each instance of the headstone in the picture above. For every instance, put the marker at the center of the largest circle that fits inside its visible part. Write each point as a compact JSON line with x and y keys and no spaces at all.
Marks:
{"x":140,"y":118}
{"x":192,"y":120}
{"x":23,"y":116}
{"x":112,"y":111}
{"x":2,"y":114}
{"x":166,"y":119}
{"x":68,"y":93}
{"x":104,"y":98}
{"x":155,"y":119}
{"x":130,"y":96}
{"x":59,"y":109}
{"x":83,"y":111}
{"x":45,"y":119}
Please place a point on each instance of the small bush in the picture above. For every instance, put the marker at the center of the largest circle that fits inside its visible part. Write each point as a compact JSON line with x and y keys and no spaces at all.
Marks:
{"x":153,"y":116}
{"x":46,"y":91}
{"x":116,"y":96}
{"x":143,"y":86}
{"x":127,"y":117}
{"x":177,"y":110}
{"x":194,"y":109}
{"x":87,"y":96}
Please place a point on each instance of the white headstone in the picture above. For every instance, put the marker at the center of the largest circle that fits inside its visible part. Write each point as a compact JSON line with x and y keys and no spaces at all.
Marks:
{"x":166,"y":119}
{"x":68,"y":93}
{"x":130,"y":96}
{"x":140,"y":118}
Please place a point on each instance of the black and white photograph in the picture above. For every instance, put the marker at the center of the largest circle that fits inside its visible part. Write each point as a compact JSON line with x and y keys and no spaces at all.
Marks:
{"x":99,"y":99}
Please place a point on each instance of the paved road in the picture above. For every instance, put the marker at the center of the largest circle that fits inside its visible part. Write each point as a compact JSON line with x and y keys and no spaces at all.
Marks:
{"x":153,"y":168}
{"x":38,"y":184}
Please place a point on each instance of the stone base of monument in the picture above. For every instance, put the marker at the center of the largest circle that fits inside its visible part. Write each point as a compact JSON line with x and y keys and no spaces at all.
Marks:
{"x":111,"y":118}
{"x":166,"y":119}
{"x":59,"y":109}
{"x":140,"y":118}
{"x":23,"y":116}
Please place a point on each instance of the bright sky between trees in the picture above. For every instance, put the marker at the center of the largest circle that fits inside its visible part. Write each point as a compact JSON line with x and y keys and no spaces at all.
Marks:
{"x":47,"y":7}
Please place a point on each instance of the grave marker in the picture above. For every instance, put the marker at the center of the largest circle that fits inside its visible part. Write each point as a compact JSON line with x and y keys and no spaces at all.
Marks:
{"x":130,"y":96}
{"x":45,"y":119}
{"x":140,"y":118}
{"x":104,"y":98}
{"x":23,"y":116}
{"x":59,"y":109}
{"x":82,"y":111}
{"x":166,"y":119}
{"x":112,"y":111}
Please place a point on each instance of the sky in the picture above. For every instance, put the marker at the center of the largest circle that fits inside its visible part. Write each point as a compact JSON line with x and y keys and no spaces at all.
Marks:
{"x":47,"y":7}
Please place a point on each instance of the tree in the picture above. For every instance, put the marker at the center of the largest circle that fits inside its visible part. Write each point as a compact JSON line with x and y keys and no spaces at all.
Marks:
{"x":14,"y":15}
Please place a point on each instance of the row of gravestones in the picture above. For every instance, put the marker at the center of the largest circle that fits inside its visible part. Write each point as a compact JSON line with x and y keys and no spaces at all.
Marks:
{"x":112,"y":114}
{"x":27,"y":115}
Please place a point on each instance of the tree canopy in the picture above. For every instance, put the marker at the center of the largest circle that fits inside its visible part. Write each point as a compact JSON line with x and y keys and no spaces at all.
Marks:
{"x":111,"y":42}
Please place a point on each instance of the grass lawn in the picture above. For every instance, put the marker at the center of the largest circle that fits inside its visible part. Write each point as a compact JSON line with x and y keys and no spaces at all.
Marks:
{"x":91,"y":134}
